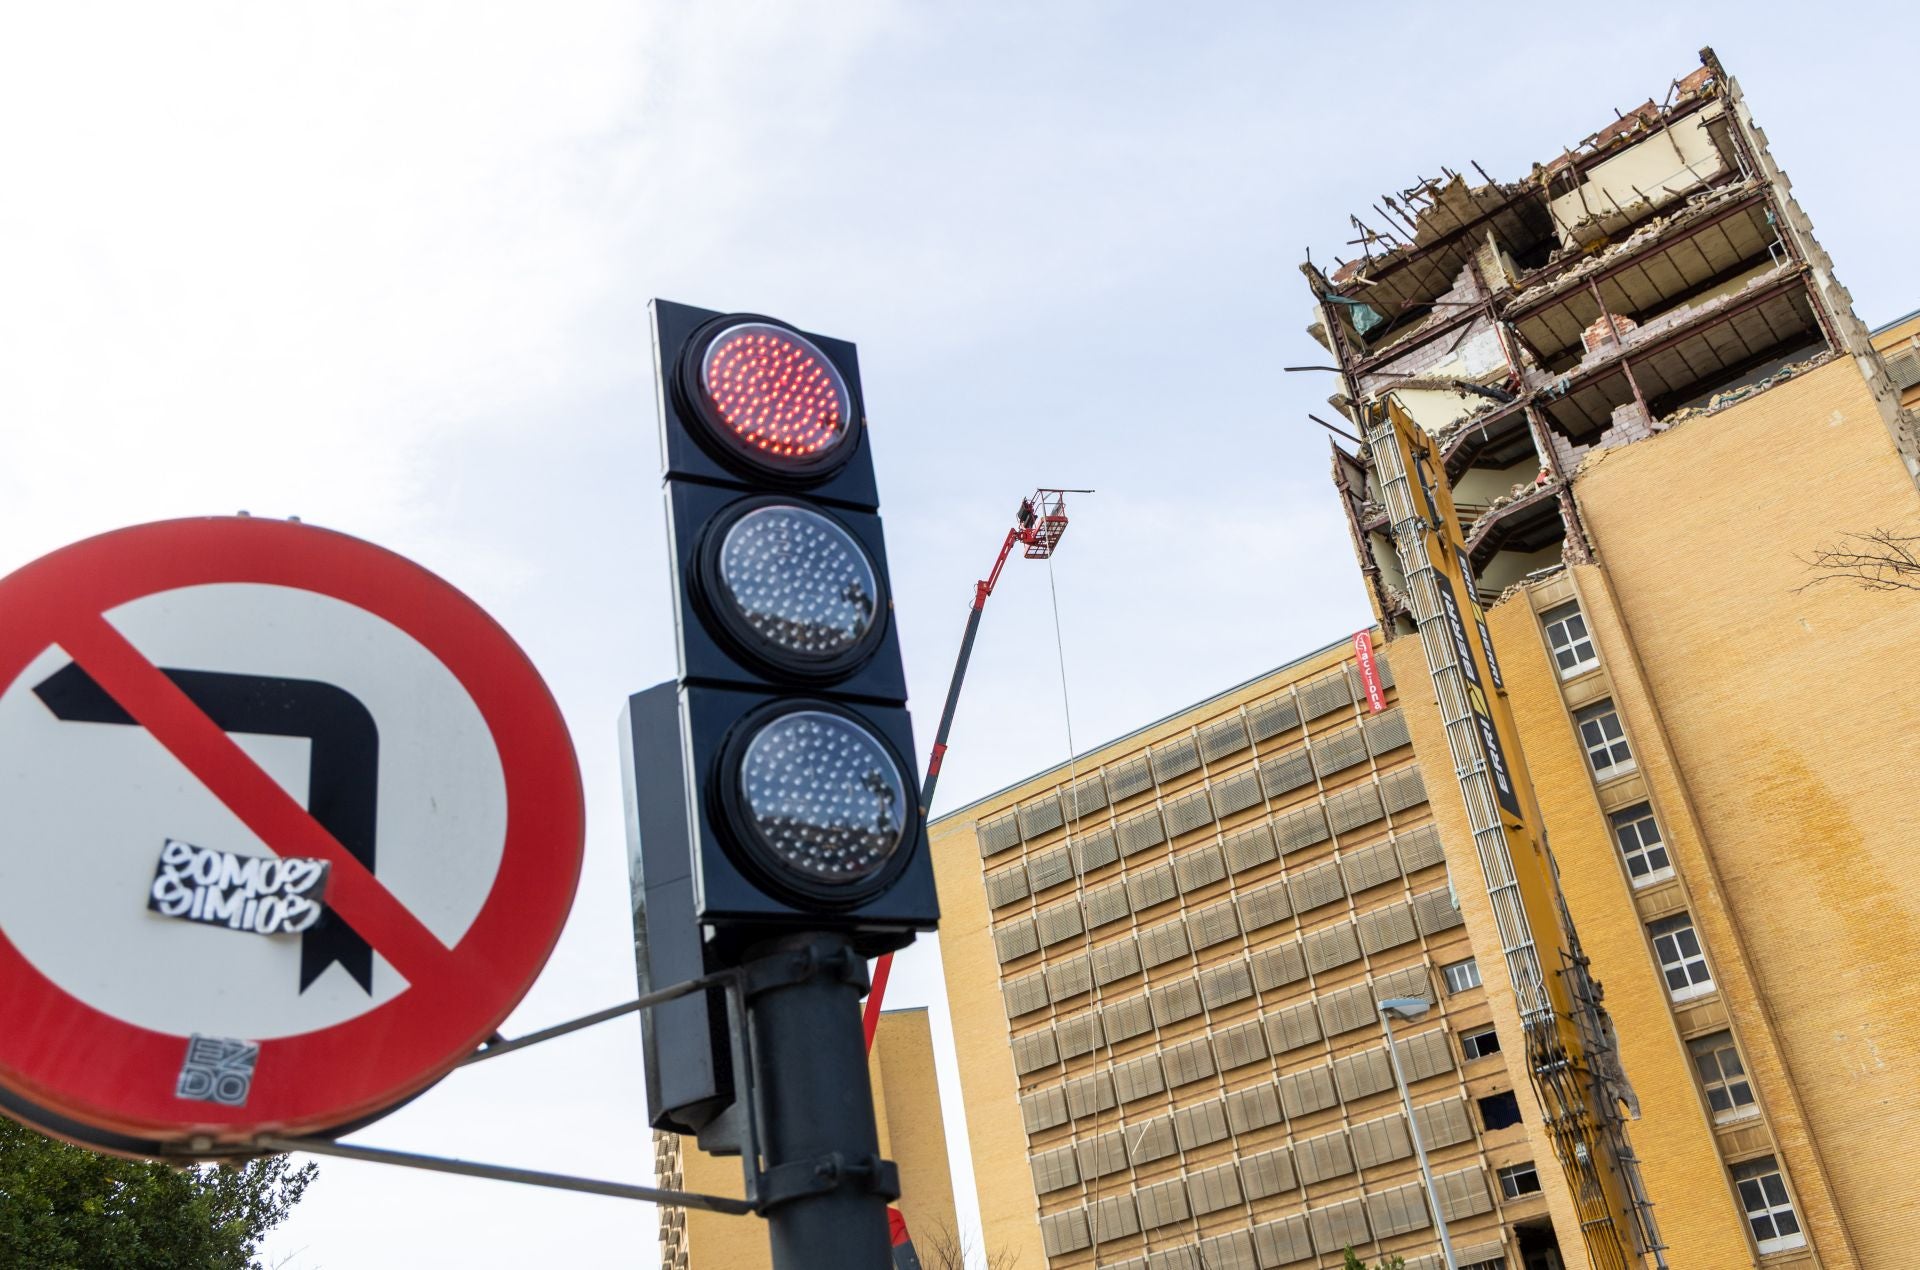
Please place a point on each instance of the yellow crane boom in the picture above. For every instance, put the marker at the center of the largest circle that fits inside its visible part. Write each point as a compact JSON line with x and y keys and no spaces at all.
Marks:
{"x":1570,"y":1054}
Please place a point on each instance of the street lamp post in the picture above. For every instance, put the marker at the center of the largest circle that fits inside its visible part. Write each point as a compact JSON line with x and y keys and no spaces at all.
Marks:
{"x":1408,"y":1009}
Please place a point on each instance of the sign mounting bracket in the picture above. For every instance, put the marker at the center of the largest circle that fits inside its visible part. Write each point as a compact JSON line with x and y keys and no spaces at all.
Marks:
{"x":731,"y":981}
{"x":504,"y":1173}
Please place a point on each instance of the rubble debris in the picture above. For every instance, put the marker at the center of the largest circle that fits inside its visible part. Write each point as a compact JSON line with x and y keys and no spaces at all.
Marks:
{"x":1679,"y":315}
{"x":1608,"y":328}
{"x":1530,"y":580}
{"x":1567,"y":277}
{"x":1505,"y":502}
{"x":1721,"y":400}
{"x":1657,"y":260}
{"x":1475,"y":418}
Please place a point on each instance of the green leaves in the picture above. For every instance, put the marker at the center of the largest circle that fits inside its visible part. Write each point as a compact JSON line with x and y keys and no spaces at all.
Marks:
{"x":64,"y":1208}
{"x":1354,"y":1263}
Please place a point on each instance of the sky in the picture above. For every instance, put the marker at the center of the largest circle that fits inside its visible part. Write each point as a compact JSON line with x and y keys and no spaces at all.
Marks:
{"x":386,"y":268}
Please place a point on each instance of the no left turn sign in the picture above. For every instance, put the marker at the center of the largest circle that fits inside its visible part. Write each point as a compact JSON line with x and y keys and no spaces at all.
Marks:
{"x":288,"y":826}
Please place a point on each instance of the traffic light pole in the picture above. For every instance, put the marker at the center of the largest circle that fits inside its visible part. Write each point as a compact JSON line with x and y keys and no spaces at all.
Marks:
{"x":824,"y":1188}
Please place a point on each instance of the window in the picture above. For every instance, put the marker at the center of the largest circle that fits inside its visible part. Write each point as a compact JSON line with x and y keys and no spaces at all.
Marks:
{"x":1676,"y":945}
{"x":1641,"y":845}
{"x":1500,"y":1111}
{"x":1519,"y":1179}
{"x":1567,"y":637}
{"x":1763,"y":1193}
{"x":1605,"y":740}
{"x":1479,"y":1044}
{"x":1722,"y":1077}
{"x":1461,"y":975}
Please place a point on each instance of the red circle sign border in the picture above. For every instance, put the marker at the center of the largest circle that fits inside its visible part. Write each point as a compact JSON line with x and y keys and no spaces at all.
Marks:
{"x":61,"y":1055}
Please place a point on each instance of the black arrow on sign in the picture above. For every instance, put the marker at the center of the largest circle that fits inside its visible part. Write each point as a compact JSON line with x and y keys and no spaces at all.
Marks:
{"x":343,"y":768}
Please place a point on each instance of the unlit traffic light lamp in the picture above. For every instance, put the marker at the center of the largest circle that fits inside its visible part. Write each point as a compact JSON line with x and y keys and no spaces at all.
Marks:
{"x":819,"y":800}
{"x":791,"y":588}
{"x":797,"y":844}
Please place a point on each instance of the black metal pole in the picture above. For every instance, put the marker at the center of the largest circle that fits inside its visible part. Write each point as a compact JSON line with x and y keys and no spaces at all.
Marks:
{"x":824,"y":1188}
{"x":883,"y":968}
{"x":953,"y":702}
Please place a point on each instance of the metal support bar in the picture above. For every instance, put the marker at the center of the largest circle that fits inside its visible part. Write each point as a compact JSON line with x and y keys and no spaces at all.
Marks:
{"x":501,"y":1045}
{"x":503,"y":1173}
{"x":730,"y":980}
{"x":1626,"y":363}
{"x":1336,"y":431}
{"x":495,"y":1048}
{"x":1574,"y":549}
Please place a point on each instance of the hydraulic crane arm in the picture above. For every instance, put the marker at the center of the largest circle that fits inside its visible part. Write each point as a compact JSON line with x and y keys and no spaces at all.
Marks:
{"x":981,"y":590}
{"x":1037,"y":527}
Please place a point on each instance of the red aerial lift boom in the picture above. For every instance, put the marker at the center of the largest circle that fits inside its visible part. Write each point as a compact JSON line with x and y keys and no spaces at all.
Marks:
{"x":1037,"y":528}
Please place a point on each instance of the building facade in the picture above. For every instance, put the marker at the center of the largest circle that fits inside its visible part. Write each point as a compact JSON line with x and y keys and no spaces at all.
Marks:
{"x":906,"y":1103}
{"x":1664,"y":426}
{"x":1166,"y":993}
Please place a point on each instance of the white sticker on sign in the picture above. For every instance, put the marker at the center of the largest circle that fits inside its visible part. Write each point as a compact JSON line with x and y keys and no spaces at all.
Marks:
{"x":264,"y":896}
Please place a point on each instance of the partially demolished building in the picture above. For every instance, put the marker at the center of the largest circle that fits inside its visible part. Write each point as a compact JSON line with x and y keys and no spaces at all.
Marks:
{"x":1656,"y":413}
{"x":1658,"y":271}
{"x":1662,"y":425}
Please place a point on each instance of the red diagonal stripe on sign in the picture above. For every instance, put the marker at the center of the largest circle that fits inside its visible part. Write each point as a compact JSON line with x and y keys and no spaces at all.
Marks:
{"x":230,"y":774}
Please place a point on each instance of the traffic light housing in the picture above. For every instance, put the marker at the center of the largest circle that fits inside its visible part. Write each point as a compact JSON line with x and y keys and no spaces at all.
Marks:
{"x":799,"y":780}
{"x":686,"y":1043}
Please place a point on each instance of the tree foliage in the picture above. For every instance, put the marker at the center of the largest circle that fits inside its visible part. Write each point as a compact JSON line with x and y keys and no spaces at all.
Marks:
{"x":64,"y":1208}
{"x":1391,"y":1263}
{"x":946,"y":1249}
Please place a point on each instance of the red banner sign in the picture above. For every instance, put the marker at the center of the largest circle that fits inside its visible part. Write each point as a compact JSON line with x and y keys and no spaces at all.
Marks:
{"x":1369,"y":671}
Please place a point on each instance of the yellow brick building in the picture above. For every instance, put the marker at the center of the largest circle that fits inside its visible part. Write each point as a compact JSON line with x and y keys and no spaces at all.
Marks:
{"x":906,"y":1098}
{"x":1172,"y":1053}
{"x":1667,"y":413}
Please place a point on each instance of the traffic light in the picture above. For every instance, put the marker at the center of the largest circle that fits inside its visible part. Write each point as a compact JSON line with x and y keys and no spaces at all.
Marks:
{"x":801,"y":797}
